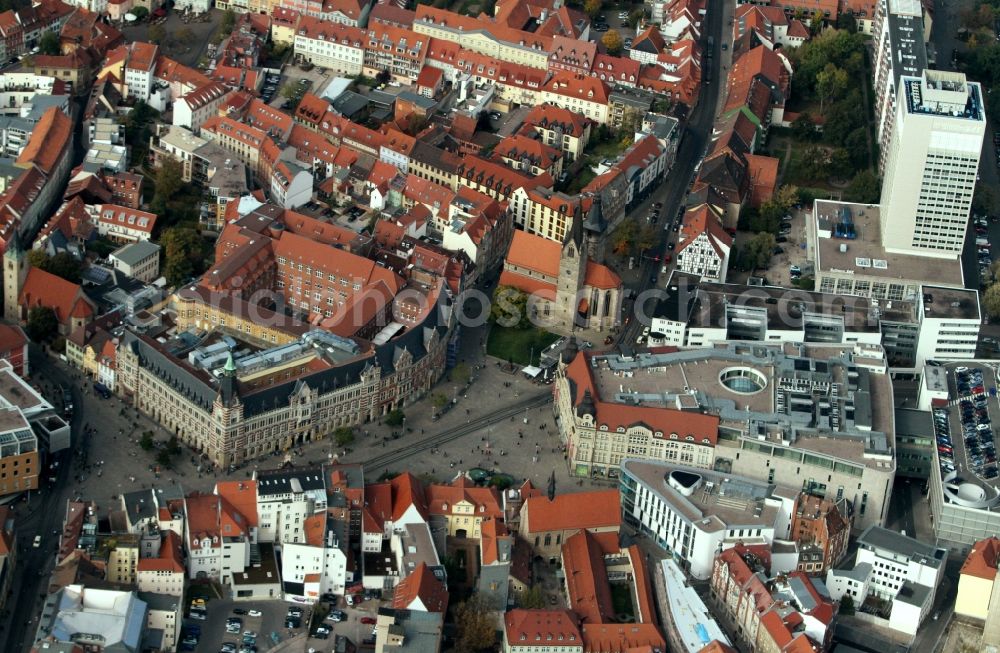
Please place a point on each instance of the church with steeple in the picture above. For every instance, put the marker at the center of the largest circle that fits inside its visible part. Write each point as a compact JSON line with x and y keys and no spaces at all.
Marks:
{"x":568,"y":284}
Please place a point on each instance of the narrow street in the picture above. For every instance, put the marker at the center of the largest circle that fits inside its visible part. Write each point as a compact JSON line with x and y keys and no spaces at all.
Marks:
{"x":694,"y":143}
{"x":41,"y":514}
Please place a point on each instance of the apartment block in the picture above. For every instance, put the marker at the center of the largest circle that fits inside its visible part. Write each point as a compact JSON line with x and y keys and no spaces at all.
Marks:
{"x":895,"y":568}
{"x":932,"y":164}
{"x":693,"y":513}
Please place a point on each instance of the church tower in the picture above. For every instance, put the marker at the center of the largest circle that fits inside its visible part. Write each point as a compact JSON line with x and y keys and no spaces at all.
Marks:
{"x":572,"y":272}
{"x":15,"y":269}
{"x":594,"y":226}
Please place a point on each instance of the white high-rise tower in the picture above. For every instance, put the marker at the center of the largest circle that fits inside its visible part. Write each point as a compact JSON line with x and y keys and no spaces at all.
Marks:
{"x":930,"y":170}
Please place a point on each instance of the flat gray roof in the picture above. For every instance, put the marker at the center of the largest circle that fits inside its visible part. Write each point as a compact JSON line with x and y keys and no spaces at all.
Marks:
{"x":867,"y":247}
{"x":951,"y":303}
{"x":134,"y":253}
{"x":876,"y":537}
{"x":728,"y":501}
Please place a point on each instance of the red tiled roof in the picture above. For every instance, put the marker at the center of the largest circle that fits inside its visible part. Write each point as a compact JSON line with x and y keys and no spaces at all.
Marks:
{"x":142,"y":56}
{"x":598,"y":638}
{"x":797,"y":29}
{"x":422,"y":586}
{"x":213,"y":517}
{"x":982,"y":560}
{"x":701,"y":220}
{"x":128,"y":218}
{"x":548,"y":115}
{"x":763,"y":172}
{"x":66,"y":298}
{"x":618,"y":69}
{"x":541,"y":628}
{"x":48,"y":141}
{"x":407,"y":491}
{"x":645,"y":603}
{"x":442,"y":499}
{"x":601,"y":276}
{"x":11,"y":338}
{"x":242,"y":495}
{"x":391,"y":14}
{"x":429,"y":76}
{"x":581,"y":87}
{"x":701,"y":427}
{"x":594,"y":509}
{"x":715,"y":646}
{"x":492,"y":532}
{"x":534,"y":253}
{"x":170,"y":559}
{"x":651,"y":35}
{"x":586,"y":577}
{"x":518,"y":146}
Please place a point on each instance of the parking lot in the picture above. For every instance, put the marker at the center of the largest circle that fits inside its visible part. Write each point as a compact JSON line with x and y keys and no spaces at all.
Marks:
{"x":790,"y":251}
{"x":313,"y":80}
{"x":970,"y":444}
{"x":269,"y":627}
{"x":614,"y":18}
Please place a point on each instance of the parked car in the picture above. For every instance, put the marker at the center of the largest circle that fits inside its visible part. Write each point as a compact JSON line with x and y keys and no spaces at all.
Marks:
{"x":367,"y":620}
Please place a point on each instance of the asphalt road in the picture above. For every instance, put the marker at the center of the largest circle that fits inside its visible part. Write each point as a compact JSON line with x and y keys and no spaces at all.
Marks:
{"x":694,"y":142}
{"x":42,"y":515}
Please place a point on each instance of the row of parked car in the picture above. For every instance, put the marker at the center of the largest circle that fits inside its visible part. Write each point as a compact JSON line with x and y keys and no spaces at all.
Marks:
{"x":980,"y":447}
{"x":980,"y":224}
{"x":271,"y":81}
{"x":946,"y":453}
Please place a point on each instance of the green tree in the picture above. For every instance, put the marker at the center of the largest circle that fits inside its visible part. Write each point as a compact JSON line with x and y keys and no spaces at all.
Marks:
{"x":623,"y":238}
{"x":291,"y":91}
{"x":140,"y":13}
{"x":228,"y":21}
{"x":173,"y":446}
{"x":856,"y":145}
{"x":646,"y":238}
{"x":786,"y":197}
{"x":475,"y":625}
{"x":183,"y":254}
{"x":635,"y":17}
{"x":813,"y":165}
{"x":612,"y":42}
{"x":803,"y":127}
{"x":838,"y":164}
{"x":991,"y":300}
{"x":983,"y":200}
{"x":831,"y":82}
{"x":343,"y":436}
{"x":49,"y":44}
{"x":864,"y":188}
{"x":62,"y":264}
{"x":164,"y":458}
{"x":168,"y":184}
{"x":531,"y":598}
{"x":592,"y":7}
{"x":395,"y":417}
{"x":510,"y":308}
{"x":42,"y":323}
{"x":501,"y":482}
{"x":759,"y":248}
{"x":146,"y":442}
{"x":846,"y":605}
{"x":156,"y":34}
{"x":842,"y":118}
{"x":439,"y":400}
{"x":846,"y":21}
